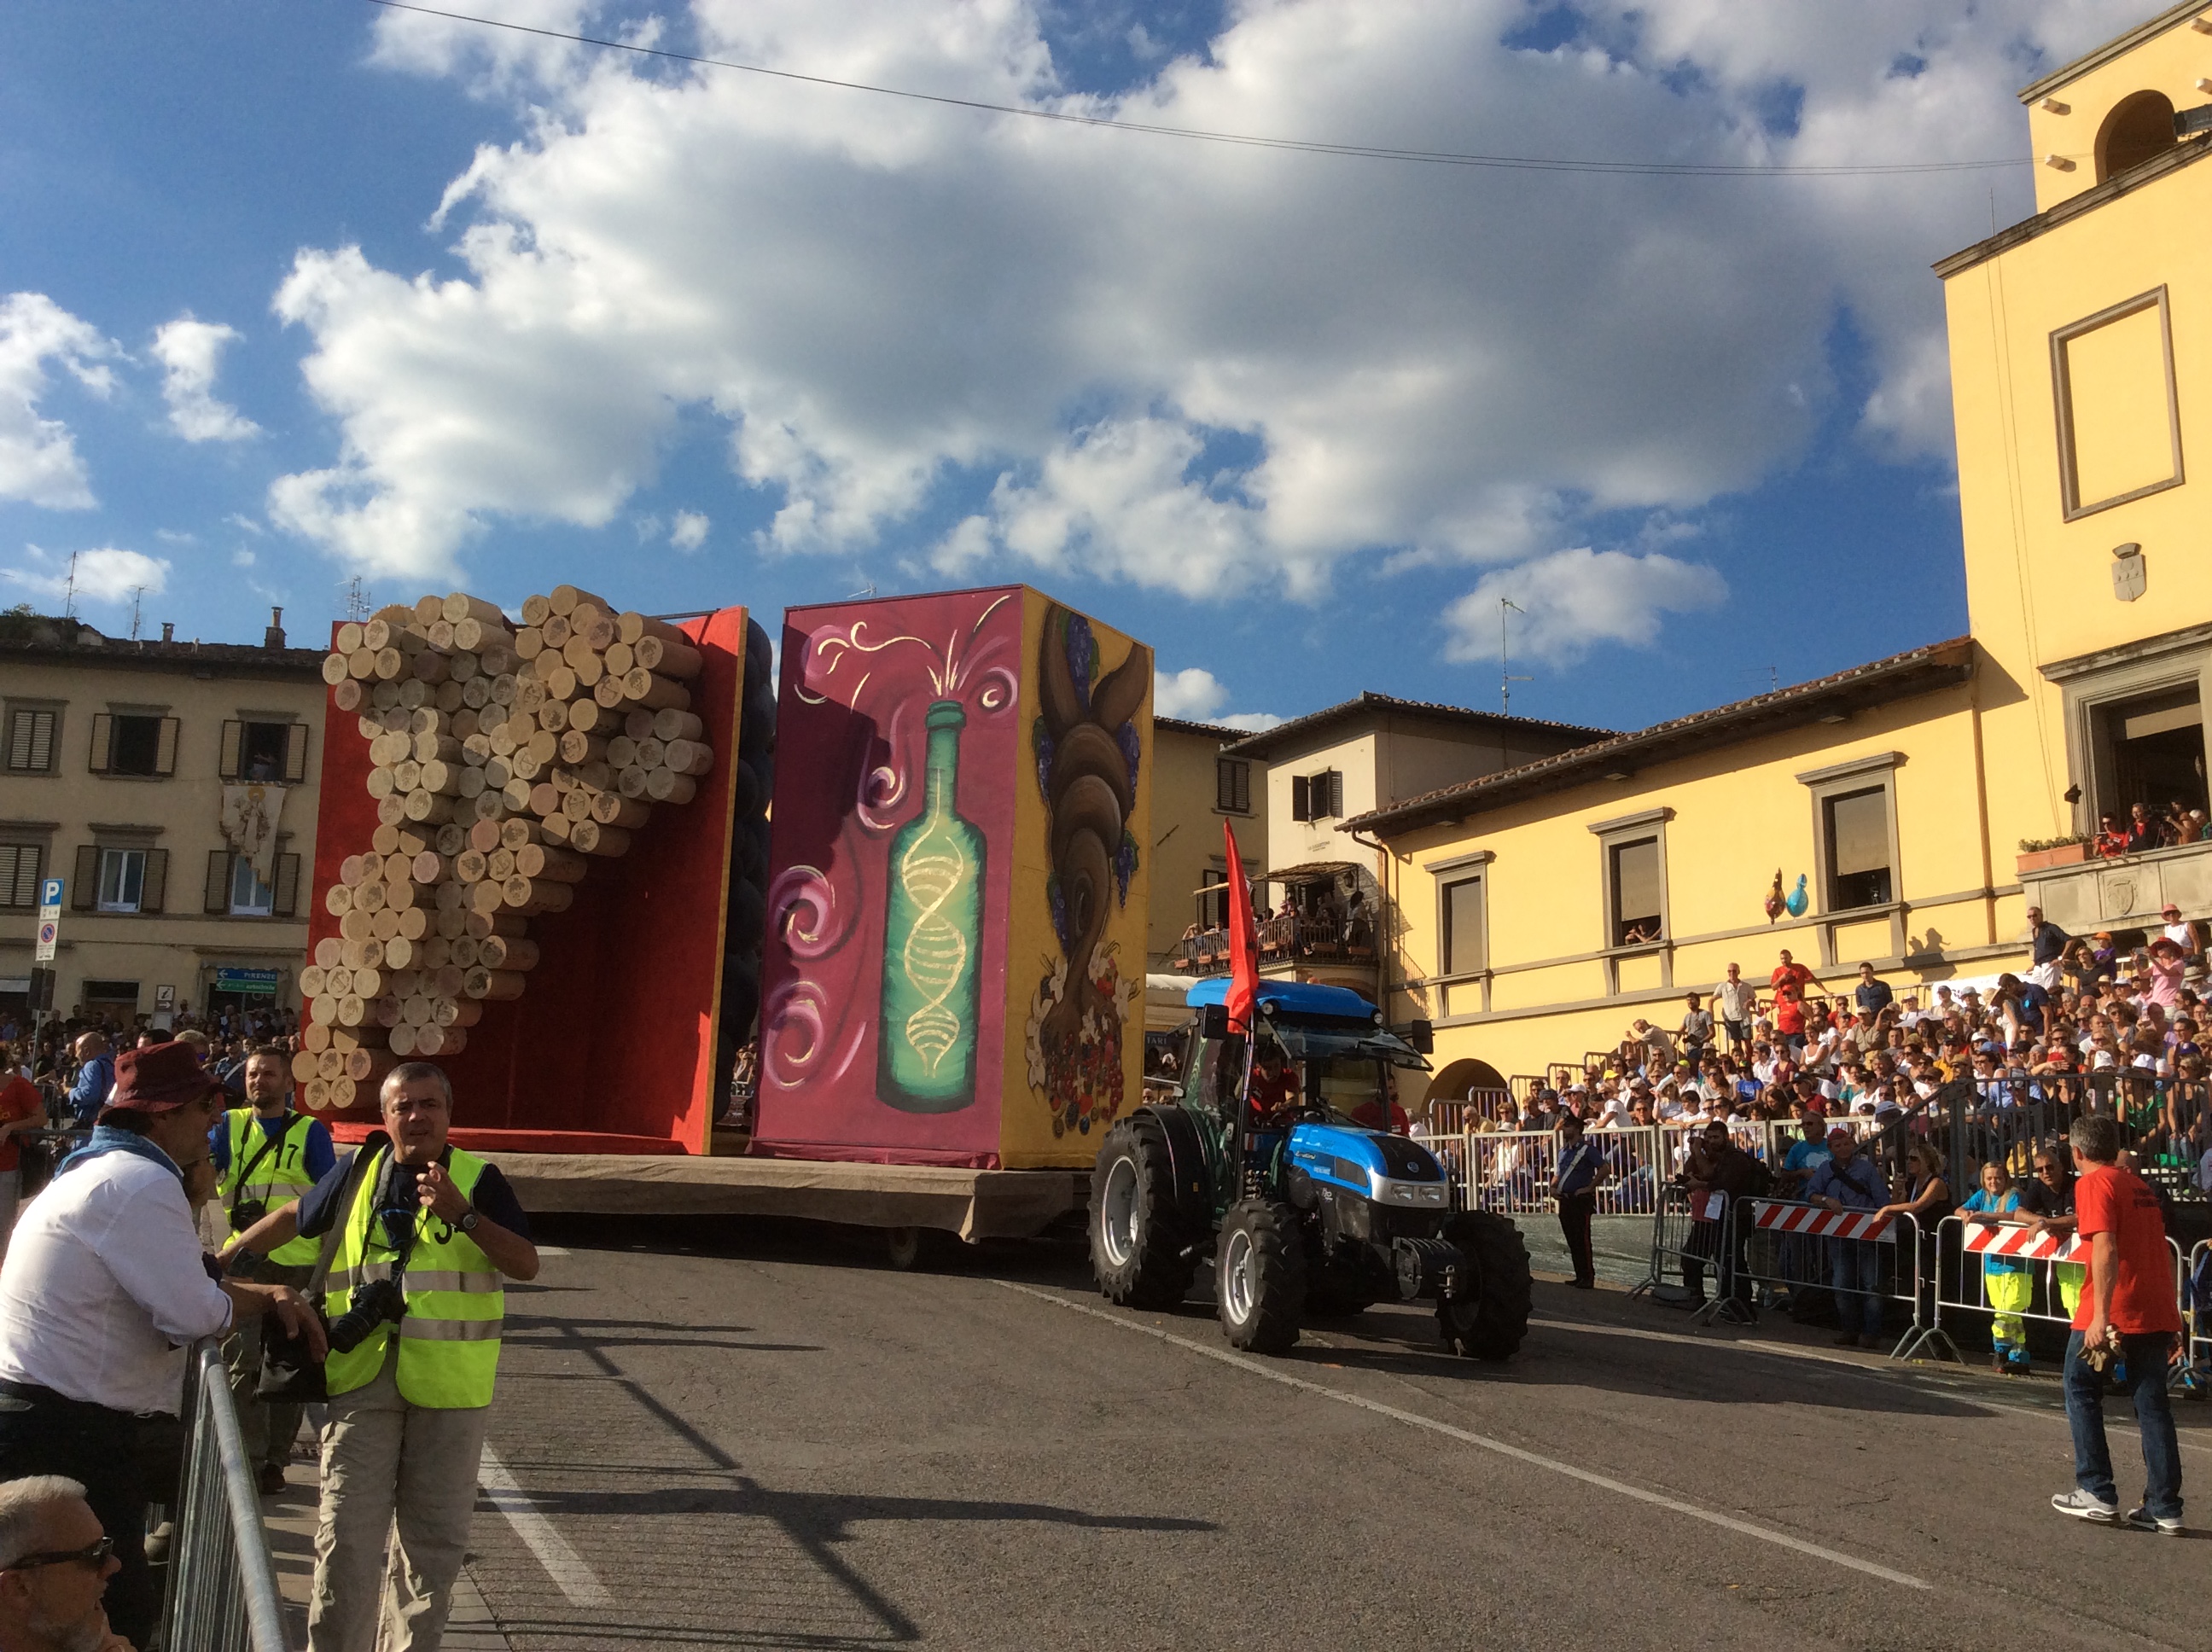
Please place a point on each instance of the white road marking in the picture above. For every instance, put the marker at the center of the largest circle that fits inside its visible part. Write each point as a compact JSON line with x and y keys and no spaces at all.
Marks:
{"x":1465,"y":1436}
{"x":562,"y":1564}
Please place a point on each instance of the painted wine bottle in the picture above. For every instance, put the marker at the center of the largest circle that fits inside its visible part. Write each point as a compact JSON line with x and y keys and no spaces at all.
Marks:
{"x":932,"y":941}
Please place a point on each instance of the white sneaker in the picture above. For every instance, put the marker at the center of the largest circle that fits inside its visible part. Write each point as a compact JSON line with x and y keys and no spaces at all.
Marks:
{"x":2082,"y":1506}
{"x":2143,"y":1521}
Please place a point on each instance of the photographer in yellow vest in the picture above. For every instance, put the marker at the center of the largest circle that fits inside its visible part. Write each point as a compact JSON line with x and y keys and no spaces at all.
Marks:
{"x":266,"y":1155}
{"x":423,"y":1234}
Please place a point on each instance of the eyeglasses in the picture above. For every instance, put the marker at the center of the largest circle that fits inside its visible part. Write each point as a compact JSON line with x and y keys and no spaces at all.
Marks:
{"x":95,"y":1555}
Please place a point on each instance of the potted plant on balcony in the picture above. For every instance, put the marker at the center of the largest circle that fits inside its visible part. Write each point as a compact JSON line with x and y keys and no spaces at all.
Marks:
{"x":2041,"y":854}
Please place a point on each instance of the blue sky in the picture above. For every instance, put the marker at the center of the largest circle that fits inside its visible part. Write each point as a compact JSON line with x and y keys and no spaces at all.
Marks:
{"x":1296,"y":420}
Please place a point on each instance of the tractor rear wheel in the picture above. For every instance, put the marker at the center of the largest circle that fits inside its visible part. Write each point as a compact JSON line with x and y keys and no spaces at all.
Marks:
{"x":1487,"y":1315}
{"x":1137,"y":1247}
{"x":1259,"y":1277}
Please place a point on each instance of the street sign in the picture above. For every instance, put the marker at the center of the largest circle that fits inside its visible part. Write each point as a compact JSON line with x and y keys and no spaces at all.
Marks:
{"x":49,"y":919}
{"x":253,"y":983}
{"x":48,"y":930}
{"x":50,"y":894}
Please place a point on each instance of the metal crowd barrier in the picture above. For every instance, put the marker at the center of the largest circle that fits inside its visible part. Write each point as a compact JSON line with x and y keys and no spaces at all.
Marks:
{"x":221,"y":1594}
{"x":2197,"y":1316}
{"x":1510,"y":1172}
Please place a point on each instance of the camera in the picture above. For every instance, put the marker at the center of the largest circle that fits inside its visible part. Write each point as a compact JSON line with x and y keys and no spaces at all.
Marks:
{"x":380,"y":1302}
{"x":245,"y":1213}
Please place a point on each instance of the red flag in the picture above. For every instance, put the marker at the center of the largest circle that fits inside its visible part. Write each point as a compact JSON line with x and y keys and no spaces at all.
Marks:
{"x":1243,"y":941}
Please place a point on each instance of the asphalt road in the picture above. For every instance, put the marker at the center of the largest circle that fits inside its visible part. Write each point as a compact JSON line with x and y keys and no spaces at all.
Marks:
{"x":757,"y":1437}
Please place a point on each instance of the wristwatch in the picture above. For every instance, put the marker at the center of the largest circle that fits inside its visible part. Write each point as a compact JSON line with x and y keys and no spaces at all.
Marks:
{"x":468,"y":1222}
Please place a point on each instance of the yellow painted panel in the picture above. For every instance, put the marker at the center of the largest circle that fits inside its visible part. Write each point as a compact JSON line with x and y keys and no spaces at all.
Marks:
{"x":1565,"y":983}
{"x":1640,"y":974}
{"x":2116,"y":388}
{"x":1857,"y":941}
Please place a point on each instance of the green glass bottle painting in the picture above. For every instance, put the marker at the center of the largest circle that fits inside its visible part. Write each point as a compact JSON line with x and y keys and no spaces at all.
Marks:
{"x":933,"y":941}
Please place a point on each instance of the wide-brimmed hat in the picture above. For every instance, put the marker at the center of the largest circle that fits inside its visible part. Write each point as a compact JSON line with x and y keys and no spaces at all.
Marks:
{"x":160,"y":1078}
{"x":2168,"y":943}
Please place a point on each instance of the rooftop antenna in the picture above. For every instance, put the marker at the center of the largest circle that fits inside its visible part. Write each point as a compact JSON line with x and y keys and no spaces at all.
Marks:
{"x":68,"y":592}
{"x":1505,"y":677}
{"x":356,"y":608}
{"x":866,"y":591}
{"x":137,"y":592}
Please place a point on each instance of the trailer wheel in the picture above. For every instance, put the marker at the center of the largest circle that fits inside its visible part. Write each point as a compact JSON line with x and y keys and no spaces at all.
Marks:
{"x":1137,"y":1246}
{"x":1259,"y":1277}
{"x":1487,"y":1315}
{"x":920,"y":1250}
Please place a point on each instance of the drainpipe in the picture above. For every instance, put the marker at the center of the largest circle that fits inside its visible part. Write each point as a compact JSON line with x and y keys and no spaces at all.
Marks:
{"x":1386,"y":946}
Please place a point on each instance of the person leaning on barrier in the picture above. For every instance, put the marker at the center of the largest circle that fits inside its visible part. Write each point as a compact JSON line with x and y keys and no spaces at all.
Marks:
{"x":1850,"y":1182}
{"x":2129,"y":1314}
{"x":55,"y":1563}
{"x":424,"y":1232}
{"x":1717,"y":1166}
{"x":266,"y":1153}
{"x":101,"y":1290}
{"x":2048,"y":1202}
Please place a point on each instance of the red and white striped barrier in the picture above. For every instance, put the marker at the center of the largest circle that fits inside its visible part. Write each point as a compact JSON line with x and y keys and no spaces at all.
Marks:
{"x":1823,"y":1224}
{"x":2006,"y":1239}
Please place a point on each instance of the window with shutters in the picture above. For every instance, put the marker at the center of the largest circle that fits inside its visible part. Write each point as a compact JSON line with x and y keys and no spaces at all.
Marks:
{"x":234,"y":889}
{"x":30,"y":740}
{"x":1317,"y":797}
{"x":122,"y":880}
{"x":249,"y":896}
{"x":1232,"y":786}
{"x":22,"y":865}
{"x":143,"y":745}
{"x":1214,"y":900}
{"x":263,"y":753}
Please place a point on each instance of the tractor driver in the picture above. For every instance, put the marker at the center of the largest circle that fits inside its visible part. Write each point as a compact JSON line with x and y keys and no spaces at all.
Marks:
{"x":1274,"y":1088}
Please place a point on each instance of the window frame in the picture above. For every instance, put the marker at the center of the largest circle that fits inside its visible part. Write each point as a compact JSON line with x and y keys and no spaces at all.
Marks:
{"x":242,"y":866}
{"x":32,"y":707}
{"x":1232,"y":777}
{"x":105,"y":734}
{"x":1613,"y":835}
{"x":13,"y":881}
{"x":2071,"y":508}
{"x":1876,"y":770}
{"x":291,"y":757}
{"x":120,"y":856}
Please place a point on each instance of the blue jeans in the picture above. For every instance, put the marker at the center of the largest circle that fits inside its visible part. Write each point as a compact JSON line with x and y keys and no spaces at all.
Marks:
{"x":1855,"y":1272}
{"x":2085,"y":1412}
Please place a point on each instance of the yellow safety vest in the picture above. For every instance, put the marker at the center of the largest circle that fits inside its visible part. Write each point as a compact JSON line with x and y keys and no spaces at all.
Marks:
{"x":449,"y":1338}
{"x":280,"y":1175}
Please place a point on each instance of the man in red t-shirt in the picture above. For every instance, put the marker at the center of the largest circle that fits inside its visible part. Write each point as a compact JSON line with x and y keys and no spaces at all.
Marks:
{"x":1789,"y":981}
{"x":2129,"y":1301}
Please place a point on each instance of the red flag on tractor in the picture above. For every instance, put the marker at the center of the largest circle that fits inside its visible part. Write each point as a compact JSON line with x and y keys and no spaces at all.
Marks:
{"x":1243,"y":942}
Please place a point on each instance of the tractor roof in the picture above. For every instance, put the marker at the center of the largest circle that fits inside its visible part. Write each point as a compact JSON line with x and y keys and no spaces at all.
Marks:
{"x":1295,"y":997}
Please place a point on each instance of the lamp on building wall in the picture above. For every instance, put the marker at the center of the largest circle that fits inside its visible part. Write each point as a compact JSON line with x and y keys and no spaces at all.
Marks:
{"x":2053,"y":106}
{"x":2059,"y":162}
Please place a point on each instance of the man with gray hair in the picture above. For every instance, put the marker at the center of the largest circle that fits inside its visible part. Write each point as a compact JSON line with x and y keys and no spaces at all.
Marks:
{"x":54,"y":1562}
{"x":420,"y":1233}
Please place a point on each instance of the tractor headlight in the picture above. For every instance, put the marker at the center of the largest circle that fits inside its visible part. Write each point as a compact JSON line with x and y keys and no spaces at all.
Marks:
{"x":1423,"y":1194}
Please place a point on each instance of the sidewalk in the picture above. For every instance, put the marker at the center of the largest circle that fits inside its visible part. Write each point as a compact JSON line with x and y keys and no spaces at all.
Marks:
{"x":289,"y":1518}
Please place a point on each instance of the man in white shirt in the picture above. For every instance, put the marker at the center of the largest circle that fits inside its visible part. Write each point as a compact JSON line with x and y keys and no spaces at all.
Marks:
{"x":103,"y":1289}
{"x":1735,"y":1000}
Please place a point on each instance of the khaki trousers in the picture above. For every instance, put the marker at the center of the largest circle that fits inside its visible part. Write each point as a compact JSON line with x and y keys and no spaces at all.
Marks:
{"x":268,"y":1430}
{"x":393,"y":1475}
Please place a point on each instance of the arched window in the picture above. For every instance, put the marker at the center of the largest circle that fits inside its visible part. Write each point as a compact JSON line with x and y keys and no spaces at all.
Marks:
{"x":2138,"y":128}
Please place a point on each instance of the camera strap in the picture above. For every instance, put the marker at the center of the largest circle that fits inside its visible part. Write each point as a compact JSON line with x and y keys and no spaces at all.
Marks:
{"x":335,"y":1234}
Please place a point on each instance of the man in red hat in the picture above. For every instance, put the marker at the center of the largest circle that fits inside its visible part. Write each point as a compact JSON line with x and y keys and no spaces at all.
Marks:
{"x":103,"y":1289}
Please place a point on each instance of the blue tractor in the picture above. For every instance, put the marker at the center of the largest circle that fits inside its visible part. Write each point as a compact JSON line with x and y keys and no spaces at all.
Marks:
{"x":1278,"y":1161}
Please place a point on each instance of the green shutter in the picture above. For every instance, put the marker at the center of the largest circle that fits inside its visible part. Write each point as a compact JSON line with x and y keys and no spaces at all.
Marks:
{"x":218,"y":881}
{"x":287,"y":886}
{"x":226,"y":763}
{"x":157,"y":877}
{"x":84,"y":888}
{"x":295,"y":754}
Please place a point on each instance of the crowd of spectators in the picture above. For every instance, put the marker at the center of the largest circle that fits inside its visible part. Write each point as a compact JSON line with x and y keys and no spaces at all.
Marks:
{"x":1330,"y":924}
{"x":2145,"y":826}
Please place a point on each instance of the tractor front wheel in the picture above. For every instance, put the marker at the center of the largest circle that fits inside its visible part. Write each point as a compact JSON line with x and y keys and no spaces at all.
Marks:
{"x":1259,"y":1277}
{"x":1137,"y":1247}
{"x":1486,"y":1317}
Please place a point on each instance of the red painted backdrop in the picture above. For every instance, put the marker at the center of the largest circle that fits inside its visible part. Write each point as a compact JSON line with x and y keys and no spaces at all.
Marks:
{"x":611,"y":1047}
{"x":857,"y":681}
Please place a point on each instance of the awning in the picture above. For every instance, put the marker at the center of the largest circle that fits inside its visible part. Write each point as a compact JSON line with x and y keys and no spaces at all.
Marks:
{"x":1315,"y":872}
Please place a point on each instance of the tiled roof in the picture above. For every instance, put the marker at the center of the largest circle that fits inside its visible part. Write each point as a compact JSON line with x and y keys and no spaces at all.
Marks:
{"x":42,"y":638}
{"x":1917,"y":671}
{"x":1211,"y":731}
{"x":1268,"y":741}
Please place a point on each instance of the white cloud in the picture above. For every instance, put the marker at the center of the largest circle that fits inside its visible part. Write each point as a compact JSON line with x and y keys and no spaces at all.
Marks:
{"x":689,"y":531}
{"x":1196,"y":695}
{"x":241,"y":558}
{"x":1200,"y":367}
{"x":237,"y":520}
{"x":1573,"y":601}
{"x":39,"y":459}
{"x":190,"y":352}
{"x":103,"y":575}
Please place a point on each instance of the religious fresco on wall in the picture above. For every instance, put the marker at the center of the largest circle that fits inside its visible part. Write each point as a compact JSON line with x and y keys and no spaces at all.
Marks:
{"x":1089,"y":757}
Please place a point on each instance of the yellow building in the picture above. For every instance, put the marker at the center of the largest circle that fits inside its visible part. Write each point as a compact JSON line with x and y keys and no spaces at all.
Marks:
{"x":1542,"y":908}
{"x":1196,"y":787}
{"x":172,"y":786}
